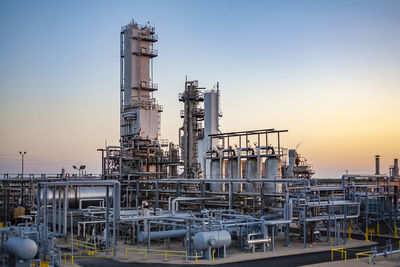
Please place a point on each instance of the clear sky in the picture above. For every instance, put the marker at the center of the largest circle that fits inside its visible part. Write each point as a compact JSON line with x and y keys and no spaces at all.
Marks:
{"x":328,"y":71}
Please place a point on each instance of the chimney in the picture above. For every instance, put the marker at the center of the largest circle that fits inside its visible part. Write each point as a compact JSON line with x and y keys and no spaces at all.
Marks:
{"x":377,"y":158}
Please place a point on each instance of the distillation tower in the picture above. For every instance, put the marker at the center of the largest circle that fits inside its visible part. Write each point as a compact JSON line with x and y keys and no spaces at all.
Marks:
{"x":140,"y":113}
{"x":141,"y":154}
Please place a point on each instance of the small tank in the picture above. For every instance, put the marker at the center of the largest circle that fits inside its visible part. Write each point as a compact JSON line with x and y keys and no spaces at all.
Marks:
{"x":251,"y":172}
{"x":273,"y":172}
{"x":23,"y":248}
{"x":232,"y":173}
{"x":214,"y":239}
{"x":215,"y":174}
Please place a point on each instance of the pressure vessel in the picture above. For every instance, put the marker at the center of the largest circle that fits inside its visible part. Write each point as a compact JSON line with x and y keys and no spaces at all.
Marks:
{"x":23,"y":248}
{"x":214,"y":239}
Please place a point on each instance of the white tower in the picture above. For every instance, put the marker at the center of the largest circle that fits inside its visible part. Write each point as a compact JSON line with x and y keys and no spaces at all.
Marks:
{"x":211,"y":126}
{"x":140,"y":112}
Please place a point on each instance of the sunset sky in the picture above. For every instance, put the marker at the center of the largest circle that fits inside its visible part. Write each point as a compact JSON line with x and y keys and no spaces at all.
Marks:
{"x":327,"y":71}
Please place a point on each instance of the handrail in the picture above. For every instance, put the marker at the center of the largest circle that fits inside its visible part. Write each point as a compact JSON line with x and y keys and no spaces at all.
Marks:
{"x":90,"y":254}
{"x":166,"y":253}
{"x":86,"y":244}
{"x":341,"y":251}
{"x":365,"y":253}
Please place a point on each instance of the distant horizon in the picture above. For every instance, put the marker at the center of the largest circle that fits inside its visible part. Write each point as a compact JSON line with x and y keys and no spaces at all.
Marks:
{"x":327,"y":71}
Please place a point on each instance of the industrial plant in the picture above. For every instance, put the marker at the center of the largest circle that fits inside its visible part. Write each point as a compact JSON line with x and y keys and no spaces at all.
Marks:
{"x":213,"y":197}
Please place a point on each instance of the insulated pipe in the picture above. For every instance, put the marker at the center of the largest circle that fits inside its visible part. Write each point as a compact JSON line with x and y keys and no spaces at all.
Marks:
{"x":143,"y":236}
{"x":174,"y":204}
{"x":192,"y":181}
{"x":385,"y":253}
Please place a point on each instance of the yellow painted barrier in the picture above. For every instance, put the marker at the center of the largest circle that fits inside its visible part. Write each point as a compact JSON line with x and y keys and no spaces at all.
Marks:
{"x":366,"y":235}
{"x":101,"y":253}
{"x":156,"y":252}
{"x":349,"y":232}
{"x":365,"y":253}
{"x":341,"y":251}
{"x":213,"y":254}
{"x":44,"y":264}
{"x":377,"y":230}
{"x":79,"y":244}
{"x":196,"y":255}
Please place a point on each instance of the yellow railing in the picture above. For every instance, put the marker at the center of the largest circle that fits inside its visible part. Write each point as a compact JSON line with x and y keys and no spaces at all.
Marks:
{"x":341,"y":251}
{"x":100,"y":253}
{"x":365,"y":253}
{"x":79,"y":244}
{"x":156,"y":252}
{"x":370,"y":232}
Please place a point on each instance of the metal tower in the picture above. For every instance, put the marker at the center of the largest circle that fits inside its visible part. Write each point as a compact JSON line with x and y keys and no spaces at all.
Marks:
{"x":140,"y":112}
{"x":192,"y":129}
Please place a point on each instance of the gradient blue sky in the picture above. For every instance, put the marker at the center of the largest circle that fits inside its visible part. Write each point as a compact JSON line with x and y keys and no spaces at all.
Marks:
{"x":328,"y":71}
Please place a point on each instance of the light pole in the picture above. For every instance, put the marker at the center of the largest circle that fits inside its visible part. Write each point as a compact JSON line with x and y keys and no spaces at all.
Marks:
{"x":22,"y":154}
{"x":80,"y":169}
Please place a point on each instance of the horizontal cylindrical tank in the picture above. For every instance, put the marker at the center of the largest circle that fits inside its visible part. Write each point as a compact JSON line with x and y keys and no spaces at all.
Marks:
{"x":214,"y":239}
{"x":143,"y":236}
{"x":75,"y":194}
{"x":23,"y":248}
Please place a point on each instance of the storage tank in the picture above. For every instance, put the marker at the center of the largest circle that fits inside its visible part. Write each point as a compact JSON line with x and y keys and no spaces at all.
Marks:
{"x":232,"y":173}
{"x":251,"y":172}
{"x":214,"y":239}
{"x":22,"y":248}
{"x":272,"y":172}
{"x":215,"y":174}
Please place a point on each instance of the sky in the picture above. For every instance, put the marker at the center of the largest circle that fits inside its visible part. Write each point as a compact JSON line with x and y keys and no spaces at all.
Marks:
{"x":327,"y":71}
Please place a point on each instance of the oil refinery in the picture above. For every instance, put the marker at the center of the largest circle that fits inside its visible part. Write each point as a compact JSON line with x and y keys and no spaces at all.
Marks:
{"x":215,"y":197}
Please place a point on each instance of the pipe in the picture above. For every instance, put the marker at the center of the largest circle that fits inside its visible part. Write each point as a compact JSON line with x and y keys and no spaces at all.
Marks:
{"x":198,"y":181}
{"x":174,"y":203}
{"x":143,"y":236}
{"x":284,"y":221}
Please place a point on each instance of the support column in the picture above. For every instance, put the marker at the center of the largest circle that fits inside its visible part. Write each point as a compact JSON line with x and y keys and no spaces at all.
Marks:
{"x":107,"y":218}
